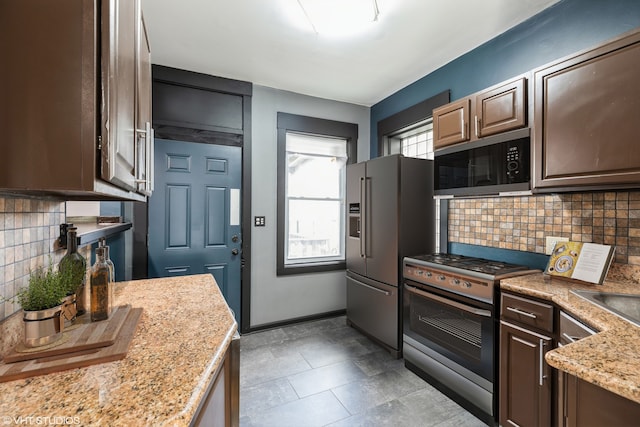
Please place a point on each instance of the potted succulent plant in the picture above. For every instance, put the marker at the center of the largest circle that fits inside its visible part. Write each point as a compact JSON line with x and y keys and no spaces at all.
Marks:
{"x":42,"y":302}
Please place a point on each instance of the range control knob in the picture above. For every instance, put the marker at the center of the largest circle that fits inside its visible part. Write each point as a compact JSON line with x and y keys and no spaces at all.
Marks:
{"x":456,"y":281}
{"x":429,"y":274}
{"x":442,"y":277}
{"x":466,"y":284}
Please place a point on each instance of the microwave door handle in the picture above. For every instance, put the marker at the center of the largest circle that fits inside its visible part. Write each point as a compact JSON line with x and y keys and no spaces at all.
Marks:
{"x":446,"y":301}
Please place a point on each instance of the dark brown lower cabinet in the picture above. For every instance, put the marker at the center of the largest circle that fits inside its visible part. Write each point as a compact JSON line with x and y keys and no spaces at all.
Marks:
{"x":220,"y":406}
{"x":525,"y":378}
{"x":588,"y":405}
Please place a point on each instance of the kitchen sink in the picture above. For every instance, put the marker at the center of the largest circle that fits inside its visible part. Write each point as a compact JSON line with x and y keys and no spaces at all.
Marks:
{"x":626,"y":306}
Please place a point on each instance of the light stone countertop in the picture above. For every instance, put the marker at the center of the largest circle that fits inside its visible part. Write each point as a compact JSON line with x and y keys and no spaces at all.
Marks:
{"x":185,"y":329}
{"x":610,"y":358}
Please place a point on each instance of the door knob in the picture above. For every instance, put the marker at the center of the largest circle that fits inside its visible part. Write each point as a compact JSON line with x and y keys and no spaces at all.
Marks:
{"x":234,"y":238}
{"x":234,"y":252}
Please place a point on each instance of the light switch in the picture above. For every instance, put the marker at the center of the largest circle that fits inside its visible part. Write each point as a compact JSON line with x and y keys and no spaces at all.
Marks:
{"x":259,"y":221}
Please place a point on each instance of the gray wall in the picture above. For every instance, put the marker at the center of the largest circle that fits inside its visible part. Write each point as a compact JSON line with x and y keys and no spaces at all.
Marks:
{"x":276,"y":299}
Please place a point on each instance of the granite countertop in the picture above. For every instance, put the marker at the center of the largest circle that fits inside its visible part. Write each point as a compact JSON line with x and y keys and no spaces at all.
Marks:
{"x":183,"y":334}
{"x":610,"y":358}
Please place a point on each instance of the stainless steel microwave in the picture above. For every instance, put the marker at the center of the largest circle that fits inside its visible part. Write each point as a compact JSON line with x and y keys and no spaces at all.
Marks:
{"x":497,"y":165}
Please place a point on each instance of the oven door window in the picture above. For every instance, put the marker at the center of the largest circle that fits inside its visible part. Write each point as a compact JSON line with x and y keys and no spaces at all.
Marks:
{"x":455,"y":330}
{"x":460,"y":332}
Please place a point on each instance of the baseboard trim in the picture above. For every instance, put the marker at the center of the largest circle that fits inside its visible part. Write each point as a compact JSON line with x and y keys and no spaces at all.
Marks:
{"x":293,"y":321}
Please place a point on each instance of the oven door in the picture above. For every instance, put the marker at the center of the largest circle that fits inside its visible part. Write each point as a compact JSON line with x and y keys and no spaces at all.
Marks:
{"x":459,"y":329}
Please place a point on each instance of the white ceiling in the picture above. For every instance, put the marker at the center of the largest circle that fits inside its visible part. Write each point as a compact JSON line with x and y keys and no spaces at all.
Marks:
{"x":254,"y":40}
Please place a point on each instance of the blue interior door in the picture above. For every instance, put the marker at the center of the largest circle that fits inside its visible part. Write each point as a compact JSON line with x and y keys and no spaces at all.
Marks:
{"x":194,"y":214}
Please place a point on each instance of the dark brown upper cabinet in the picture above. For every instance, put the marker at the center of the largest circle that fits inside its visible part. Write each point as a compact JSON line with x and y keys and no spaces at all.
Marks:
{"x":586,"y":107}
{"x":498,"y":109}
{"x":451,"y":123}
{"x":76,"y":99}
{"x":501,"y":108}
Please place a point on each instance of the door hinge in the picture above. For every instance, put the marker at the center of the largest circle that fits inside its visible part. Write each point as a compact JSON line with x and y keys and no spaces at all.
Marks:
{"x":99,"y":142}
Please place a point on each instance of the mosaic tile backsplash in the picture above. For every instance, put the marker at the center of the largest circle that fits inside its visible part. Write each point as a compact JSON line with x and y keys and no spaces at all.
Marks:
{"x":28,"y":231}
{"x":521,"y":223}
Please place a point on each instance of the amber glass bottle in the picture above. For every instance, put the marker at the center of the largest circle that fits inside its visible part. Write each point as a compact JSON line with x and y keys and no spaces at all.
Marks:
{"x":100,"y":288}
{"x":76,"y":266}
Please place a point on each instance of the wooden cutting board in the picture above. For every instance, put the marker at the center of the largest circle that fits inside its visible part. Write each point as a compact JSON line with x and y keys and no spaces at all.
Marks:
{"x":85,"y":335}
{"x":77,"y":359}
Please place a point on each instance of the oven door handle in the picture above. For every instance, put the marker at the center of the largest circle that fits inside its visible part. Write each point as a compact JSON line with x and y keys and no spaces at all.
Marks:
{"x":446,"y":301}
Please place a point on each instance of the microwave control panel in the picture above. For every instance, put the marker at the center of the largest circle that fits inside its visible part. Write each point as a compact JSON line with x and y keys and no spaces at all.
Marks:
{"x":513,"y":162}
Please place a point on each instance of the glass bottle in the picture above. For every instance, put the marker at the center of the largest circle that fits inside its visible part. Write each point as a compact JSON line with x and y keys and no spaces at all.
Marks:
{"x":75,"y":265}
{"x":112,"y":271}
{"x":100,"y":288}
{"x":112,"y":267}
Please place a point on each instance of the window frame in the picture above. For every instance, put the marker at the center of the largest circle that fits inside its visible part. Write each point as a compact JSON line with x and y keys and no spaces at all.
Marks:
{"x":287,"y":122}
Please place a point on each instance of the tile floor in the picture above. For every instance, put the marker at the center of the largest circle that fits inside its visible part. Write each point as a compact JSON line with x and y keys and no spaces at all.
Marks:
{"x":324,"y":373}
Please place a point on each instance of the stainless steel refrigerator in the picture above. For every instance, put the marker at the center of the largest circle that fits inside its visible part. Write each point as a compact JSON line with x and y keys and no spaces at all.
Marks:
{"x":390,"y":215}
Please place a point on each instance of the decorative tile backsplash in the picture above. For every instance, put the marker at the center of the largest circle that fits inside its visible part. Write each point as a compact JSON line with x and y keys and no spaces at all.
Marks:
{"x":521,"y":223}
{"x":28,"y":231}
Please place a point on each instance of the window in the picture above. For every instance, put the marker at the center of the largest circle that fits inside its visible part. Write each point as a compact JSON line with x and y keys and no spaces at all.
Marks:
{"x":414,"y":142}
{"x":312,"y":158}
{"x":314,"y":193}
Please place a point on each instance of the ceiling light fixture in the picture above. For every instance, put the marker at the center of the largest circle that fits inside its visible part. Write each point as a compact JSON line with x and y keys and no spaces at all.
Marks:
{"x":339,"y":17}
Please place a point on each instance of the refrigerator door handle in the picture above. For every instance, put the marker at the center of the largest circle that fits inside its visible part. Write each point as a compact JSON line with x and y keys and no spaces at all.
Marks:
{"x":363,"y":217}
{"x":373,"y":288}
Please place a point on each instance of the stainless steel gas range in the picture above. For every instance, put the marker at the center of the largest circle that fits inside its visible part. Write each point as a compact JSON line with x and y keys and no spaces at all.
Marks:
{"x":450,"y":325}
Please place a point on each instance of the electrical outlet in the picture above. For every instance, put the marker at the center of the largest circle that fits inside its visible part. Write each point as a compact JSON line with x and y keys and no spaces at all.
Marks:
{"x":550,"y":243}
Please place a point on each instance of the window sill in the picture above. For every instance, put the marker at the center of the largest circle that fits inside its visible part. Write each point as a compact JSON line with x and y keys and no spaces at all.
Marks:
{"x":310,"y":268}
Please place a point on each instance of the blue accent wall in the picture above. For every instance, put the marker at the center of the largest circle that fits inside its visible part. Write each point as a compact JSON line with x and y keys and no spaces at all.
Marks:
{"x":565,"y":28}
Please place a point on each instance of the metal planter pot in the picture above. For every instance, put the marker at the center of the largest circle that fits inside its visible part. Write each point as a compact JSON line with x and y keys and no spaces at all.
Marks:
{"x":42,"y":327}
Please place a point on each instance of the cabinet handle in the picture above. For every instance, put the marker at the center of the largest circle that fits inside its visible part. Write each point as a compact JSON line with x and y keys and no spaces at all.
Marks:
{"x":463,"y":125}
{"x":524,"y":313}
{"x":477,"y":126}
{"x":570,"y":338}
{"x":150,"y":156}
{"x":542,"y":376}
{"x":146,"y":185}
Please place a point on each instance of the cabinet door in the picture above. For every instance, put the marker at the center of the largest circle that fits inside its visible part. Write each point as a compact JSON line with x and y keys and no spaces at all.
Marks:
{"x":451,"y":123}
{"x":501,"y":109}
{"x":525,"y":378}
{"x":119,"y":24}
{"x":589,"y":405}
{"x":585,"y":111}
{"x":144,"y":132}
